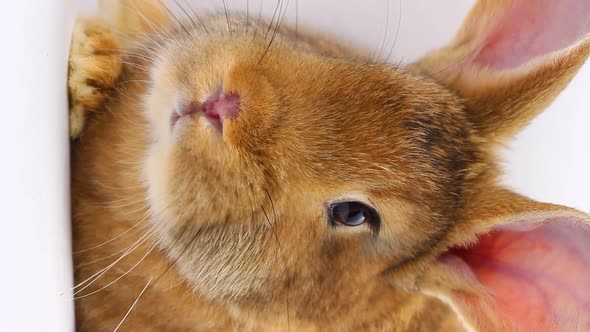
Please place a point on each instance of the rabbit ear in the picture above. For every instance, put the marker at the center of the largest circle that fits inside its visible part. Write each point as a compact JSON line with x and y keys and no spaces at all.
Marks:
{"x":511,"y":58}
{"x":133,"y":19}
{"x":514,"y":264}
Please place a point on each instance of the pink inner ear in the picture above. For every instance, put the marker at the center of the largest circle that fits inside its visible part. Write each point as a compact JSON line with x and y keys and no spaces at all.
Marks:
{"x":534,"y":28}
{"x":538,"y":277}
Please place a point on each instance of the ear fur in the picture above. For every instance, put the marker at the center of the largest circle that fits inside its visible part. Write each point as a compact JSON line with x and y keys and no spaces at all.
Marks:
{"x":511,"y":58}
{"x":516,"y":265}
{"x":510,"y":263}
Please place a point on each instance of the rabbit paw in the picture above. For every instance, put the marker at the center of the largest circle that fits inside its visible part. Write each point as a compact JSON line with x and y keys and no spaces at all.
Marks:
{"x":94,"y":67}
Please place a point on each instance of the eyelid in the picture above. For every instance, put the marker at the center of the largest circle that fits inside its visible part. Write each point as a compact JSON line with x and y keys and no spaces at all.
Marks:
{"x":352,"y":197}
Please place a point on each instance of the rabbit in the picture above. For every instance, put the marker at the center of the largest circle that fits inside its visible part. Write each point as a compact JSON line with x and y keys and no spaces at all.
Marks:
{"x":230,"y":173}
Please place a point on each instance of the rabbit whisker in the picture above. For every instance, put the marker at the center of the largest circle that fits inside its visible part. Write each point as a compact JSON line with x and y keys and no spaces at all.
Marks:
{"x":133,"y":305}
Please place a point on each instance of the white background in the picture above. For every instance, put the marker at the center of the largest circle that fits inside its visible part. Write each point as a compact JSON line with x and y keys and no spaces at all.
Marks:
{"x":35,"y":265}
{"x":548,"y":161}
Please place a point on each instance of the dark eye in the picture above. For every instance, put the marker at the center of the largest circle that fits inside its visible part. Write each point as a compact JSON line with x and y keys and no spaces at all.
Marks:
{"x":353,"y":214}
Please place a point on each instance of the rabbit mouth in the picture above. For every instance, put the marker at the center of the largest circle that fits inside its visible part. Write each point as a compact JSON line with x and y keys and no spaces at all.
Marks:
{"x":215,"y":109}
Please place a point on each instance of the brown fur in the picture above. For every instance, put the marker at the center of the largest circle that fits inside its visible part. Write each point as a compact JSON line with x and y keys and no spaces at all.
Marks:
{"x":237,"y":224}
{"x":93,"y":71}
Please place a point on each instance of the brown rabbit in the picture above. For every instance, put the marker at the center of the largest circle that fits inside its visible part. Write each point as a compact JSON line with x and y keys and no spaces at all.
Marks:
{"x":237,"y":176}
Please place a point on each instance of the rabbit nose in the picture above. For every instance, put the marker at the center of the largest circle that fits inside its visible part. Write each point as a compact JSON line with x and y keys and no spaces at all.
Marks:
{"x":215,"y":109}
{"x":220,"y":105}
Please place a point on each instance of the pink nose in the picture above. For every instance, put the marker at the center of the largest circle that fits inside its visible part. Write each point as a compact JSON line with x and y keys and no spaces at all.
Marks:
{"x":222,"y":106}
{"x":216,"y":108}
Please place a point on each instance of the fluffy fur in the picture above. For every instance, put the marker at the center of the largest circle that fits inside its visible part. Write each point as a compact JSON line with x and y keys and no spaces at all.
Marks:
{"x":230,"y":229}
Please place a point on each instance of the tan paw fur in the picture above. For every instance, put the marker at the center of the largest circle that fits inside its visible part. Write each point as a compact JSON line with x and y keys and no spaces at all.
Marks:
{"x":94,"y":67}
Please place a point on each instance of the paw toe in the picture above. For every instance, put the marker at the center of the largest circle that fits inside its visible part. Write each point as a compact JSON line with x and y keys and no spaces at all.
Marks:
{"x":95,"y":65}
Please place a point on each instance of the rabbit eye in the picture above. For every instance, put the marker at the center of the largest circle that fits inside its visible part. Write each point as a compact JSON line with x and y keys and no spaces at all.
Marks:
{"x":353,"y":214}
